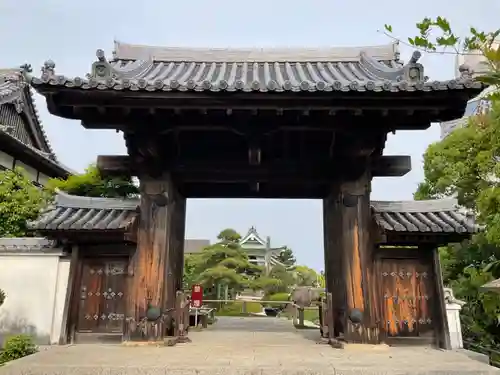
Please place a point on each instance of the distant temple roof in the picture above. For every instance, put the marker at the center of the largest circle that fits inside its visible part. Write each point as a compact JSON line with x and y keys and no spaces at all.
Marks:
{"x":137,"y":67}
{"x":83,"y":214}
{"x":252,"y":237}
{"x":20,"y":124}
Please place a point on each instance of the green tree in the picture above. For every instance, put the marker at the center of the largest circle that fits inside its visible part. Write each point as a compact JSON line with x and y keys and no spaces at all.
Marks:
{"x":279,"y":280}
{"x":20,"y":202}
{"x":190,"y":265}
{"x":229,"y":236}
{"x":466,"y":165}
{"x":93,"y":184}
{"x":286,"y":257}
{"x":305,"y":276}
{"x":223,"y":264}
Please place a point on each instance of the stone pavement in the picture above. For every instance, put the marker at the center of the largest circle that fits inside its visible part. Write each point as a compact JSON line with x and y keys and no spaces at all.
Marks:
{"x":246,"y":346}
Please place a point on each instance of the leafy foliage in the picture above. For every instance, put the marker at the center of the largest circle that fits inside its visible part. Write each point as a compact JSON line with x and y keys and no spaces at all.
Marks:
{"x":466,"y":164}
{"x":437,"y":35}
{"x":3,"y":295}
{"x":20,"y":202}
{"x":279,"y":280}
{"x":237,"y":308}
{"x":16,"y":347}
{"x":277,"y":298}
{"x":189,"y":276}
{"x":321,"y":280}
{"x":305,"y":276}
{"x":226,"y":266}
{"x":93,"y":184}
{"x":223,"y":263}
{"x":286,"y":257}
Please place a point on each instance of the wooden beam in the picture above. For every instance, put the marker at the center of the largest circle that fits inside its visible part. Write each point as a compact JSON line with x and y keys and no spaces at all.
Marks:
{"x":391,"y":166}
{"x":313,"y":171}
{"x":112,"y":165}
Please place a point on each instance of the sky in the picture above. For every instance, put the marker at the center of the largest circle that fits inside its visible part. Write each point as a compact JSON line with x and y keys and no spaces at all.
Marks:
{"x":70,"y":32}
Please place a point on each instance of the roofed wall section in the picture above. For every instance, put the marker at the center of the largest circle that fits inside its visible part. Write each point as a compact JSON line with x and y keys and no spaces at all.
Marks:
{"x":441,"y":217}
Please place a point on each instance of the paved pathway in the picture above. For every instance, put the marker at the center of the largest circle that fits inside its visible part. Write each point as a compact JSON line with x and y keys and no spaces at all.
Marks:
{"x":236,"y":346}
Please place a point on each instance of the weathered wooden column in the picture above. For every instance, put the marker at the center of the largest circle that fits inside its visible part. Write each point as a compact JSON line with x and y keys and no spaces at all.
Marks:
{"x":154,"y":268}
{"x":176,"y":228}
{"x":442,"y":330}
{"x":348,"y":259}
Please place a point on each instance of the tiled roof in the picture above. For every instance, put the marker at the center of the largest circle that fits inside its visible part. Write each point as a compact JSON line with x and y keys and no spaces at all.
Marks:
{"x":71,"y":213}
{"x":135,"y":67}
{"x":195,"y":246}
{"x":431,"y":216}
{"x":15,"y":90}
{"x":26,"y":244}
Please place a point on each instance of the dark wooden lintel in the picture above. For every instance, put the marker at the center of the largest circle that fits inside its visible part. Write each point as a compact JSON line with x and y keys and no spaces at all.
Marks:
{"x":313,"y":171}
{"x":391,"y":166}
{"x":423,"y":238}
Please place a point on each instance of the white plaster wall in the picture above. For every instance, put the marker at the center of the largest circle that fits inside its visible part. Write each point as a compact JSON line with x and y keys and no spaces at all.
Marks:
{"x":35,"y":283}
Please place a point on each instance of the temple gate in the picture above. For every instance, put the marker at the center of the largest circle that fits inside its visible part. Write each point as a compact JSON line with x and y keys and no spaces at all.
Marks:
{"x":205,"y":123}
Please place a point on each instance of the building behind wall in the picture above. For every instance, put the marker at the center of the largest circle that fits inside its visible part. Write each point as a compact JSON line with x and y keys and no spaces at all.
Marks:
{"x":23,"y":142}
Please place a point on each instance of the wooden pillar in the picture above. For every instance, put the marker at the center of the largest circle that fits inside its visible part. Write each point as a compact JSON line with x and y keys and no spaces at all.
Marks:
{"x":348,"y":258}
{"x":72,"y":299}
{"x":442,"y":331}
{"x":153,"y":268}
{"x":176,"y":225}
{"x":179,"y":238}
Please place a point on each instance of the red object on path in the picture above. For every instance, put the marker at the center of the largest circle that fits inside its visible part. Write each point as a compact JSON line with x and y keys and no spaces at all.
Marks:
{"x":196,"y":295}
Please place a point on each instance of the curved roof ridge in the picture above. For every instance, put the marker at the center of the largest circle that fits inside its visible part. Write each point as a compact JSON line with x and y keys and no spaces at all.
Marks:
{"x":63,"y":199}
{"x":126,"y":51}
{"x":431,"y":205}
{"x":13,"y":86}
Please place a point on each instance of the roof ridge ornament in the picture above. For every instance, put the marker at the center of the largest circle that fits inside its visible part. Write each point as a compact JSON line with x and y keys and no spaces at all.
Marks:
{"x":101,"y":69}
{"x":465,"y":71}
{"x":48,"y":70}
{"x":414,"y":71}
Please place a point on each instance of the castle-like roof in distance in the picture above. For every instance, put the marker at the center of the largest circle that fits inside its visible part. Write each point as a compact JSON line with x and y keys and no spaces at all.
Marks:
{"x":86,"y":214}
{"x":19,"y":120}
{"x":15,"y":90}
{"x":137,"y":67}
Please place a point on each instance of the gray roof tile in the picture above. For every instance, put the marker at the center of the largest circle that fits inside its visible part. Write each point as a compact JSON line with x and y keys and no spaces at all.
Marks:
{"x":430,"y":216}
{"x":71,"y":212}
{"x":179,"y":69}
{"x":26,"y":244}
{"x":192,"y":246}
{"x":15,"y":89}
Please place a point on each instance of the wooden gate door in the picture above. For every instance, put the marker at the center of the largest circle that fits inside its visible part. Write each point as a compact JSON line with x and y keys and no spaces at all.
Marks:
{"x":102,"y":296}
{"x":408,"y":297}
